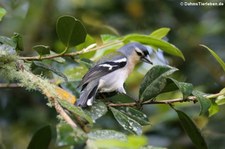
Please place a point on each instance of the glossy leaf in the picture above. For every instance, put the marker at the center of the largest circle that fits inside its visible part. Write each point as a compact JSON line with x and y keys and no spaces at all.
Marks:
{"x":160,"y":33}
{"x":192,"y":130}
{"x":111,"y":134}
{"x":66,"y":135}
{"x":41,"y":49}
{"x":75,"y":110}
{"x":87,"y":62}
{"x":88,"y":41}
{"x":41,"y":139}
{"x":70,"y":31}
{"x":17,"y":39}
{"x":60,"y":60}
{"x":161,"y":44}
{"x":133,"y":142}
{"x":52,"y":69}
{"x":154,"y":81}
{"x":75,"y":72}
{"x":222,"y":91}
{"x":185,"y":88}
{"x":170,"y":86}
{"x":2,"y":13}
{"x":214,"y":108}
{"x":137,"y":115}
{"x":219,"y":60}
{"x":7,"y":41}
{"x":205,"y":103}
{"x":220,"y":100}
{"x":97,"y":110}
{"x":108,"y":37}
{"x":15,"y":42}
{"x":127,"y":122}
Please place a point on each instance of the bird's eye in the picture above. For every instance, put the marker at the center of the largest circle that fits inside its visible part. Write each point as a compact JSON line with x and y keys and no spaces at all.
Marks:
{"x":139,"y":53}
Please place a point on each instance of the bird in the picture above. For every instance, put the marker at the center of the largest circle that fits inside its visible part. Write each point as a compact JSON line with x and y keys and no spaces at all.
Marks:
{"x":109,"y":73}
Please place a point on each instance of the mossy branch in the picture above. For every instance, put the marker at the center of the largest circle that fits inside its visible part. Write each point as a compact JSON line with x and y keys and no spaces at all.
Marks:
{"x":13,"y":69}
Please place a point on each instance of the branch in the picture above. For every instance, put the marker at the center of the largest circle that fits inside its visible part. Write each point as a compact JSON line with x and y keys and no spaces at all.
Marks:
{"x":168,"y":101}
{"x":33,"y":82}
{"x":85,"y":50}
{"x":61,"y":111}
{"x":9,"y":85}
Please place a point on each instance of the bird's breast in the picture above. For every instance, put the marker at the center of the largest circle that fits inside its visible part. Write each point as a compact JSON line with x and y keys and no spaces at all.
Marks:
{"x":113,"y":81}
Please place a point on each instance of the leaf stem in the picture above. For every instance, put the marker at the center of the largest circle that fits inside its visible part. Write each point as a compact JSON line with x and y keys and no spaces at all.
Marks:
{"x":85,"y":50}
{"x":168,"y":101}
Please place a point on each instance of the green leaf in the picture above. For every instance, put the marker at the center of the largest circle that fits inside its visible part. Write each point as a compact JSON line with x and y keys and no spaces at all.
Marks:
{"x":160,"y":33}
{"x":17,"y":39}
{"x":108,"y":37}
{"x":2,"y":13}
{"x":137,"y":115}
{"x":126,"y":122}
{"x":205,"y":103}
{"x":66,"y":135}
{"x":161,"y":44}
{"x":220,"y":100}
{"x":70,"y":31}
{"x":214,"y":108}
{"x":154,"y":81}
{"x":185,"y":88}
{"x":57,"y":59}
{"x":88,"y":41}
{"x":75,"y":73}
{"x":192,"y":130}
{"x":76,"y":110}
{"x":133,"y":142}
{"x":87,"y":62}
{"x":41,"y":49}
{"x":97,"y":110}
{"x":52,"y":69}
{"x":111,"y":134}
{"x":219,"y":60}
{"x":41,"y":139}
{"x":7,"y":41}
{"x":170,"y":86}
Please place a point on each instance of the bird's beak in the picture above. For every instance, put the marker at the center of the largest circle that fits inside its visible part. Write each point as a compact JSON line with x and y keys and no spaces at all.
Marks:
{"x":146,"y":59}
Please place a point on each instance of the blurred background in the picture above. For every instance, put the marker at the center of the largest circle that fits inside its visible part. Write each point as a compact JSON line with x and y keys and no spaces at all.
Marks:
{"x":22,"y":112}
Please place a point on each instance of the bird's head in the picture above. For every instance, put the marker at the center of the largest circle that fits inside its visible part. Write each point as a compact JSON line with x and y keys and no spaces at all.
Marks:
{"x":136,"y":51}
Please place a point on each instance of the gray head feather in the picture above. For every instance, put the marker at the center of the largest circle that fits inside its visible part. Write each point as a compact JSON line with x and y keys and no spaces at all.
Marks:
{"x":129,"y":48}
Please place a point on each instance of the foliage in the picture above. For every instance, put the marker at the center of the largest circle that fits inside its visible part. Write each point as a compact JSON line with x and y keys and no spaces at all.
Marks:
{"x":78,"y":126}
{"x":36,"y":142}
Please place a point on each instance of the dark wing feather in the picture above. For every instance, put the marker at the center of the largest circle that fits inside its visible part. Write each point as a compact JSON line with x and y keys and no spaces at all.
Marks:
{"x":99,"y":70}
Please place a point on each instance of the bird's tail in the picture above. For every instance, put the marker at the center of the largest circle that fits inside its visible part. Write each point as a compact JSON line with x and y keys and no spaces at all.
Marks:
{"x":87,"y":95}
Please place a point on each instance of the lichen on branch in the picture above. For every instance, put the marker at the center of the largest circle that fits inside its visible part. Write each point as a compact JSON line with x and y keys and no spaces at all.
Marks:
{"x":14,"y":69}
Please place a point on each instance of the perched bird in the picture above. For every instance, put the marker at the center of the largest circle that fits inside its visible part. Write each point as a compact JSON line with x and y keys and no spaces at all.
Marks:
{"x":109,"y":74}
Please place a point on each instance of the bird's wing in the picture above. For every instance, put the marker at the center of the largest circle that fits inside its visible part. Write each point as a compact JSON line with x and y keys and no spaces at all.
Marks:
{"x":103,"y":68}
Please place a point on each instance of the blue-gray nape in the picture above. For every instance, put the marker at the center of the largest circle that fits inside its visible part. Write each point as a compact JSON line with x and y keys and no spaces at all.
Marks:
{"x":130,"y":47}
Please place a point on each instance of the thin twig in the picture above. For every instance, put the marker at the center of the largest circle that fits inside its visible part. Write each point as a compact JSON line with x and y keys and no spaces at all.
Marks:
{"x":9,"y":85}
{"x":85,"y":50}
{"x":168,"y":101}
{"x":62,"y":112}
